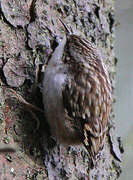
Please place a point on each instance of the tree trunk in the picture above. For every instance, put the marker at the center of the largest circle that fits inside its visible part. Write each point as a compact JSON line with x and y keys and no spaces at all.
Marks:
{"x":27,"y":40}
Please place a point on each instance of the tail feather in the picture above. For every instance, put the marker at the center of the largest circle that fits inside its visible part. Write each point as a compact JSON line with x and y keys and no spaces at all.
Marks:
{"x":94,"y":146}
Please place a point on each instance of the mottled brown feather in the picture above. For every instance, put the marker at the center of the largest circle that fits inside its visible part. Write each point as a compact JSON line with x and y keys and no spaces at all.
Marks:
{"x":87,"y":93}
{"x":77,"y":94}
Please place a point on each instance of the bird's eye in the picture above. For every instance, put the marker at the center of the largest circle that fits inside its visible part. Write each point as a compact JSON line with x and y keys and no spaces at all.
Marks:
{"x":56,"y":42}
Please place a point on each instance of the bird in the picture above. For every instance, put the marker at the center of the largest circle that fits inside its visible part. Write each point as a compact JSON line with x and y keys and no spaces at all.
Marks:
{"x":77,"y":94}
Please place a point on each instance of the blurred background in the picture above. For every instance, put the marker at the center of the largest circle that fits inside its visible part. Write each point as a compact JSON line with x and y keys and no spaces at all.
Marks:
{"x":124,"y":82}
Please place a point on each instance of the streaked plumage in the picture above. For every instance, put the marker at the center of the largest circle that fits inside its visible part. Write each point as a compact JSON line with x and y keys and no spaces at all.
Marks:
{"x":77,"y":94}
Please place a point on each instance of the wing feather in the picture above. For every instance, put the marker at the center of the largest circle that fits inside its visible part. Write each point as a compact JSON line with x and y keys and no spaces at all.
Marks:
{"x":85,"y":100}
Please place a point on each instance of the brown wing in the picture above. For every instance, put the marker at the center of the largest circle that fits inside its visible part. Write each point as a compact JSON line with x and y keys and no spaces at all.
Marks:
{"x":87,"y":98}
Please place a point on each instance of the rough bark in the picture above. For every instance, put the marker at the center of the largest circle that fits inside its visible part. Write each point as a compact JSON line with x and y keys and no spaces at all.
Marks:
{"x":28,"y":30}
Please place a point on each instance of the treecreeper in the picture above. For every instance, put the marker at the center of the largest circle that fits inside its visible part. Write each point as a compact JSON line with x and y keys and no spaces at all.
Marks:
{"x":77,"y":94}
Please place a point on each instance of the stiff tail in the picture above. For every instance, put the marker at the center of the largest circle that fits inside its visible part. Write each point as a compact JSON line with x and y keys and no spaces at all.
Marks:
{"x":94,"y":146}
